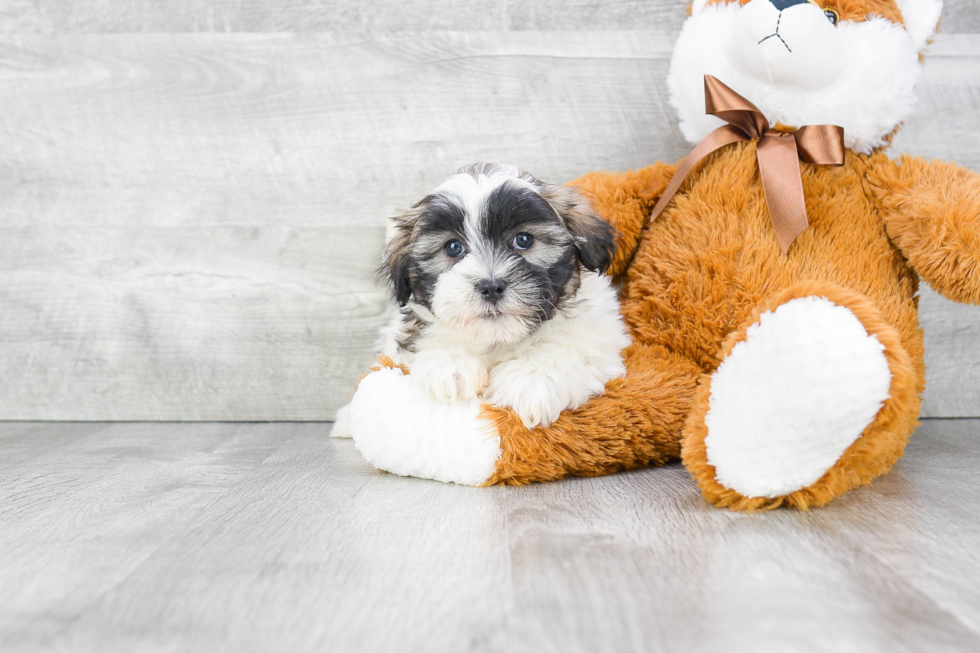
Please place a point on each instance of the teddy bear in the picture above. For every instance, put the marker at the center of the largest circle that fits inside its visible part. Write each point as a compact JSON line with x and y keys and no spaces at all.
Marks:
{"x":768,"y":282}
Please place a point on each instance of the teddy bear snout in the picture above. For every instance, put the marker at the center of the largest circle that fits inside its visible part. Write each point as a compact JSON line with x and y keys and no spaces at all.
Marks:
{"x":789,"y":43}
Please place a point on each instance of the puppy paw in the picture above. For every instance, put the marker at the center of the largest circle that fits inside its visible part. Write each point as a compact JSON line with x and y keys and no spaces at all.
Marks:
{"x":537,"y":396}
{"x":450,"y":378}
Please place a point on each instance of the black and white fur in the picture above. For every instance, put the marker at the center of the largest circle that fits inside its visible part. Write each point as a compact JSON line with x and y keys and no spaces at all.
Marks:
{"x":517,"y":313}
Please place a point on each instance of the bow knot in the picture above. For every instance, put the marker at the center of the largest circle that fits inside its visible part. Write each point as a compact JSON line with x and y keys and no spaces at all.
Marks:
{"x":779,"y":154}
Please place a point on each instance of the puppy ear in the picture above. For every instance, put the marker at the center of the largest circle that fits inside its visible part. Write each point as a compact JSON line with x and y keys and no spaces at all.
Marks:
{"x":396,"y":260}
{"x":594,"y":238}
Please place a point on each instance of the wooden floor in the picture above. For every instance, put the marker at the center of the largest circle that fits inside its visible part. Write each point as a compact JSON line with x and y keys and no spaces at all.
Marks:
{"x":272,"y":537}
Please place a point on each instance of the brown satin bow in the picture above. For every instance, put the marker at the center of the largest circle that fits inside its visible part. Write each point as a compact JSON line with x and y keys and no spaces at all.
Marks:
{"x":779,"y":155}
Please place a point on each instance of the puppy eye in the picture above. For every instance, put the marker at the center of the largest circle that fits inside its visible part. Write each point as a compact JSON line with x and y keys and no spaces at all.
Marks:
{"x":523,"y":241}
{"x":454,"y":249}
{"x":832,"y":15}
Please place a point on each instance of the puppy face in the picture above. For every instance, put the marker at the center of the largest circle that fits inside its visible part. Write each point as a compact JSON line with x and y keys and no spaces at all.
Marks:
{"x":493,"y":252}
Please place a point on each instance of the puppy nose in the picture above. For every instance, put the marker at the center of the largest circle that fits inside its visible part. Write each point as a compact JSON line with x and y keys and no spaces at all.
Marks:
{"x":492,"y":289}
{"x":782,"y":5}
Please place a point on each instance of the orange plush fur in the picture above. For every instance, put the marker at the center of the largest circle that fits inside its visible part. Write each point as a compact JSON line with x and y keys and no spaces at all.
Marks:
{"x":701,"y":283}
{"x":694,"y":280}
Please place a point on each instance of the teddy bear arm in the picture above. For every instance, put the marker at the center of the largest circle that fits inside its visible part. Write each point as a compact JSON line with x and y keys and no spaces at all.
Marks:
{"x":931,"y":211}
{"x":625,"y":200}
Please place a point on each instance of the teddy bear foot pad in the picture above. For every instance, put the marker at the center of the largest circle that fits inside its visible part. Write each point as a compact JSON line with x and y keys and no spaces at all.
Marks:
{"x":399,"y":429}
{"x":790,"y":398}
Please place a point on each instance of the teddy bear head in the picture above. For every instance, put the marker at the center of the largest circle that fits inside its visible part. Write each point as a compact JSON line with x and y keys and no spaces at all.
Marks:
{"x":852,"y":63}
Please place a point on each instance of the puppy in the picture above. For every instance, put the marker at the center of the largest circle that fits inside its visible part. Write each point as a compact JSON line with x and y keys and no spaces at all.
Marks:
{"x":502,"y":298}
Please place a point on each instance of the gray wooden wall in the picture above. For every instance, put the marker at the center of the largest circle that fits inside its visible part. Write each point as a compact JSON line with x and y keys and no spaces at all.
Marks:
{"x":192,"y":193}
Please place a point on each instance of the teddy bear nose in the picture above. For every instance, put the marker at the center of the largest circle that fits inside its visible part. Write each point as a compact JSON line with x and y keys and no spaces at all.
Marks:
{"x":782,"y":5}
{"x":492,"y":289}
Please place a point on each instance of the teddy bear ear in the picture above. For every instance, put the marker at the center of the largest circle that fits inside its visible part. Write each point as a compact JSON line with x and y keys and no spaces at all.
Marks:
{"x":921,"y":18}
{"x":697,"y":6}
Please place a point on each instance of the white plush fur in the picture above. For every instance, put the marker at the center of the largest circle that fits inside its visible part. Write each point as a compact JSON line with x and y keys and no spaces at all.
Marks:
{"x":921,"y":18}
{"x":698,"y":5}
{"x":859,"y":75}
{"x":399,"y":429}
{"x":341,"y":423}
{"x":789,"y":400}
{"x":568,"y":359}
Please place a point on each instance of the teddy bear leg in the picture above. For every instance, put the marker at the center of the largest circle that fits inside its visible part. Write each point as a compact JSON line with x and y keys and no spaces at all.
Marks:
{"x":638,"y":421}
{"x":815,"y":395}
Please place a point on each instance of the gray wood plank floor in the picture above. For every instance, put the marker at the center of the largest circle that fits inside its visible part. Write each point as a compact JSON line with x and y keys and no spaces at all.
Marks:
{"x":272,"y":537}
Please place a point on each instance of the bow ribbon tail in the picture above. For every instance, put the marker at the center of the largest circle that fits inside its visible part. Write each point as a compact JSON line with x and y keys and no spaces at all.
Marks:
{"x":719,"y":138}
{"x":782,"y":183}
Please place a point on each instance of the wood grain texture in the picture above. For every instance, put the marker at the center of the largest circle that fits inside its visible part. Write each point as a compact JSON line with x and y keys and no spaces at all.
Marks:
{"x":274,"y":537}
{"x":190,"y":222}
{"x":201,"y":323}
{"x":95,"y":16}
{"x":82,"y":506}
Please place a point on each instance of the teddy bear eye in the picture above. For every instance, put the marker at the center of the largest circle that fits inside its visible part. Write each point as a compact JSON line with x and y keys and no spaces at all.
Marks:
{"x":832,"y":15}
